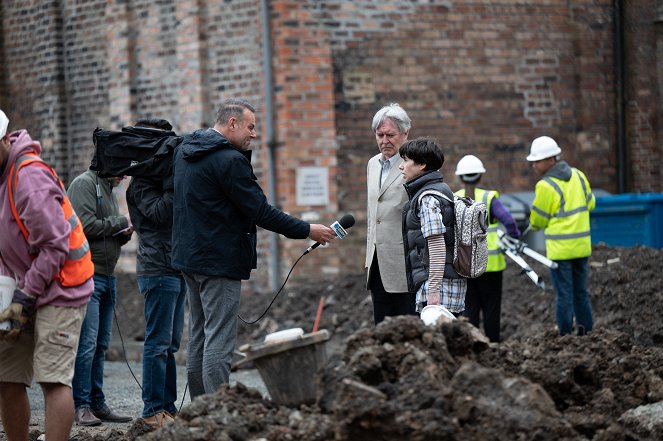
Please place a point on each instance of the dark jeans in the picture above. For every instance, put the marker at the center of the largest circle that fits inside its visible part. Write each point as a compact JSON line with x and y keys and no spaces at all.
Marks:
{"x":388,"y":303}
{"x":164,"y":321}
{"x":570,"y":281}
{"x":96,"y":332}
{"x":484,"y":296}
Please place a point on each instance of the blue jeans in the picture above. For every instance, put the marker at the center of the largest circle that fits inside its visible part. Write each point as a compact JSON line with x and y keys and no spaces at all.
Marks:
{"x":96,"y":331}
{"x":164,"y":320}
{"x":213,"y":309}
{"x":570,"y":282}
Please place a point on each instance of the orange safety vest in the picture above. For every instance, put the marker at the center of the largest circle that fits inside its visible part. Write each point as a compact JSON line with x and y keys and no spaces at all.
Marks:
{"x":78,"y":266}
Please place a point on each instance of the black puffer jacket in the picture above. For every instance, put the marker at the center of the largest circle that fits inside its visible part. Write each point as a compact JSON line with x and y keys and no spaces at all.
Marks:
{"x":414,"y":243}
{"x":217,"y":205}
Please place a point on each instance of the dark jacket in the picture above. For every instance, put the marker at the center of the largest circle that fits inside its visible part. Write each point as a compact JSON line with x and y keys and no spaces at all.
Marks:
{"x":414,"y":242}
{"x":217,"y":205}
{"x":150,"y":203}
{"x":101,"y":219}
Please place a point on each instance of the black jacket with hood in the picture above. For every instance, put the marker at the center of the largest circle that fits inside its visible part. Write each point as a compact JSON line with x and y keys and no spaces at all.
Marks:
{"x":150,"y":203}
{"x":217,"y":206}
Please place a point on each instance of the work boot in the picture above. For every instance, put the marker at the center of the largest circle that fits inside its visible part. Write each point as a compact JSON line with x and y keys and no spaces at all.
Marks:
{"x":159,"y":419}
{"x":581,"y":330}
{"x":85,"y":417}
{"x":105,"y":414}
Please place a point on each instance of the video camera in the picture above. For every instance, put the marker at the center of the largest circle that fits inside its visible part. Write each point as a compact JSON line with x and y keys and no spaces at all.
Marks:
{"x":133,"y":151}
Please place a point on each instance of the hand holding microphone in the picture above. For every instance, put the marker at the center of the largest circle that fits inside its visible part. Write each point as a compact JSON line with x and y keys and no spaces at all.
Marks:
{"x":323,"y":234}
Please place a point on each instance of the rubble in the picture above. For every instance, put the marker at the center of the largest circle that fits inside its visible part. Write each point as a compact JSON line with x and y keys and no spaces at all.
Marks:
{"x":405,"y":380}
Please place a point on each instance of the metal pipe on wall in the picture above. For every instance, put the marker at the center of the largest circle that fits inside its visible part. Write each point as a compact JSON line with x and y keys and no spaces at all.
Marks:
{"x":270,"y":138}
{"x":66,"y":97}
{"x":620,"y":95}
{"x":658,"y":32}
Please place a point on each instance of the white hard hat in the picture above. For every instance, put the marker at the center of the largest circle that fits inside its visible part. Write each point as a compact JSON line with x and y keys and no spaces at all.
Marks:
{"x":543,"y":147}
{"x":4,"y":122}
{"x":469,"y":165}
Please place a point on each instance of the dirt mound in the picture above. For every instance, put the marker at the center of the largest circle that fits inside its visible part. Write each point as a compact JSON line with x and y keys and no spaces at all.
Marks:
{"x":626,"y":291}
{"x":404,"y":380}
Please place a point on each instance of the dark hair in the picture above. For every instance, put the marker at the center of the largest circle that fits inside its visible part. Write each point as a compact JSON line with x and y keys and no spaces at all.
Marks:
{"x":155,"y":123}
{"x":232,"y":107}
{"x":423,"y":151}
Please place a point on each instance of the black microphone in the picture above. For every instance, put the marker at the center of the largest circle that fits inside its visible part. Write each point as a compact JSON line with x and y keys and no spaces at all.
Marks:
{"x":340,"y":228}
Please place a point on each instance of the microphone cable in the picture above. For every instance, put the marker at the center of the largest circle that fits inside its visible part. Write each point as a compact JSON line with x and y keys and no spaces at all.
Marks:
{"x":277,"y":293}
{"x":100,"y":215}
{"x":339,"y":227}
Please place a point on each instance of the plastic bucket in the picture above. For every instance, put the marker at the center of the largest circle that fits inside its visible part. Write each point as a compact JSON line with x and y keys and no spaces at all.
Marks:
{"x":7,"y":287}
{"x":287,"y":363}
{"x":432,"y":313}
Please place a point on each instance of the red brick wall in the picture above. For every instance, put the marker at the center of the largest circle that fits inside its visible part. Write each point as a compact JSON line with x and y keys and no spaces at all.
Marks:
{"x":482,"y":77}
{"x":643,"y":113}
{"x":305,"y":124}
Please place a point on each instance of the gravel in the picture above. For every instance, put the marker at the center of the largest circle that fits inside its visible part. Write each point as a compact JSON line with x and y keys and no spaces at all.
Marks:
{"x":123,"y":395}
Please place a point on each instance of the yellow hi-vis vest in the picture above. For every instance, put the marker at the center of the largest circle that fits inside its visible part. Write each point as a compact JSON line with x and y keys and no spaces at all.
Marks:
{"x":562,"y":208}
{"x":496,"y":260}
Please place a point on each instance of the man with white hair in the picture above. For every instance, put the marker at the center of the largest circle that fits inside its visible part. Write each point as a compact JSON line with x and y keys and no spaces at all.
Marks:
{"x":562,"y":202}
{"x":43,"y":247}
{"x":385,"y":265}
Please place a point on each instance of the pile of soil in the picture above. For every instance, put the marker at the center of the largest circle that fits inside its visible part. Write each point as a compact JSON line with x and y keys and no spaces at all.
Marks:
{"x":405,"y":380}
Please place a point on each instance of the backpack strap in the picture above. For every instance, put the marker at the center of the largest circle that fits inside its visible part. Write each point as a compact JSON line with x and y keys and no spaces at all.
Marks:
{"x":12,"y":179}
{"x":432,"y":193}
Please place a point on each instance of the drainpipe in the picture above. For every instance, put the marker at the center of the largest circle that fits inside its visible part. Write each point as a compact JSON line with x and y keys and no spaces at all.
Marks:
{"x":658,"y":27}
{"x":64,"y":95}
{"x":270,"y":138}
{"x":620,"y":96}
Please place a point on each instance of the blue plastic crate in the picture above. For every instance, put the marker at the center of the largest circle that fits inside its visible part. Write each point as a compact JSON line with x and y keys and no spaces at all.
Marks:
{"x":628,"y":219}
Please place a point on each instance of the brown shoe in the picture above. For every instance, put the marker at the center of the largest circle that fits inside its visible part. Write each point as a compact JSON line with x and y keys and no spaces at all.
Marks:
{"x":105,"y":414}
{"x":85,"y":417}
{"x":159,"y":419}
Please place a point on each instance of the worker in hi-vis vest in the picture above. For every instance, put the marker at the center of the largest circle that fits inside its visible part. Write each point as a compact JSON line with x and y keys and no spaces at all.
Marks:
{"x":484,"y":293}
{"x":562,"y":202}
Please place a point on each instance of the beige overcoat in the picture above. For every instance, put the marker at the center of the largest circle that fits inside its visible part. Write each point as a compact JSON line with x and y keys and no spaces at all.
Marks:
{"x":384,"y":232}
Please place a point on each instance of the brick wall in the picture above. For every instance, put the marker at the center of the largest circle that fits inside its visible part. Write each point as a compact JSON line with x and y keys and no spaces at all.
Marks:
{"x":305,"y":125}
{"x":34,"y":74}
{"x":643,"y":111}
{"x":658,"y":24}
{"x":482,"y":77}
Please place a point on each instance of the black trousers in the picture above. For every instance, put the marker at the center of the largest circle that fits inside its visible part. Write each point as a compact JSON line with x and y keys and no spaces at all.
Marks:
{"x":388,"y":303}
{"x":484,"y":296}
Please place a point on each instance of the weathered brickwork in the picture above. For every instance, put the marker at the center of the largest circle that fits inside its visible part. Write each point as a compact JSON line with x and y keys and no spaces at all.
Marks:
{"x":482,"y":77}
{"x":643,"y":113}
{"x":538,"y":73}
{"x":33,"y":35}
{"x":305,"y":123}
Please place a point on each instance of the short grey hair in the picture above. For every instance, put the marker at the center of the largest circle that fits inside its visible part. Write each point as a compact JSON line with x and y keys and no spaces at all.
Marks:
{"x":232,"y":107}
{"x":396,"y":114}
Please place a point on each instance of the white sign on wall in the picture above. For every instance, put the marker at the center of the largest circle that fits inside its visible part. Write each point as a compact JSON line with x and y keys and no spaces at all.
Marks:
{"x":312,"y":186}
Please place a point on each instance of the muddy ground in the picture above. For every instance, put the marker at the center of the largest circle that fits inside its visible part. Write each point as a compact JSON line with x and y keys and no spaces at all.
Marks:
{"x":404,"y":380}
